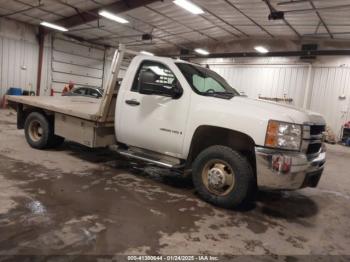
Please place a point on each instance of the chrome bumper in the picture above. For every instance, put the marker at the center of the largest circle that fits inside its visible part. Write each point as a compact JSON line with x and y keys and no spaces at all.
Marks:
{"x":278,"y":169}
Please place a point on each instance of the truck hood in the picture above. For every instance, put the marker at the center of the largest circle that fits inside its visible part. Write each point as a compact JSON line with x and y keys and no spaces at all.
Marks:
{"x":245,"y":115}
{"x":278,"y":111}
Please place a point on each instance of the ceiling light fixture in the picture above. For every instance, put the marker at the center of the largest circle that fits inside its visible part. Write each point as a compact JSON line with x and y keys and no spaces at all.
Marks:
{"x":261,"y":49}
{"x":190,"y":7}
{"x":201,"y":51}
{"x":53,"y":26}
{"x":146,"y":53}
{"x":113,"y":17}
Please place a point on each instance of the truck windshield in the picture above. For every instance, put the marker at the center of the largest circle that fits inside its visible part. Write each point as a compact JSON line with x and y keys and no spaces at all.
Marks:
{"x":206,"y":82}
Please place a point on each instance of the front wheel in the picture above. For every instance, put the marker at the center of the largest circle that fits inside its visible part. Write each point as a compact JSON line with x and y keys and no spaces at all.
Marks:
{"x":223,"y":177}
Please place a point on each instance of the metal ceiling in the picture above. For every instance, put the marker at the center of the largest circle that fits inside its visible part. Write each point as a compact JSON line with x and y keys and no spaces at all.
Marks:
{"x":172,"y":26}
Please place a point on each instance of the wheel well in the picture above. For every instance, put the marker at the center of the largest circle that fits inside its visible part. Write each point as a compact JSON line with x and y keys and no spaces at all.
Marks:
{"x":206,"y":136}
{"x":23,"y":113}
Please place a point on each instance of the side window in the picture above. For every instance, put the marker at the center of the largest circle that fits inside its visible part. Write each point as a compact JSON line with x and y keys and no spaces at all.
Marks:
{"x":156,"y":73}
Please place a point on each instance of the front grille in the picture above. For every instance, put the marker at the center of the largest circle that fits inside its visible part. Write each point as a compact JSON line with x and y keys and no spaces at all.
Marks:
{"x":316,"y":130}
{"x":314,"y":141}
{"x":313,"y":148}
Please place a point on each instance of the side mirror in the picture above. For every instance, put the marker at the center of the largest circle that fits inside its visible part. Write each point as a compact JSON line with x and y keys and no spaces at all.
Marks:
{"x":146,"y":82}
{"x":177,"y":90}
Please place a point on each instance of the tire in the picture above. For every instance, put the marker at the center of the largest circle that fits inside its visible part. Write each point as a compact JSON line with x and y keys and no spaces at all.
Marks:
{"x":223,"y":177}
{"x":38,"y":131}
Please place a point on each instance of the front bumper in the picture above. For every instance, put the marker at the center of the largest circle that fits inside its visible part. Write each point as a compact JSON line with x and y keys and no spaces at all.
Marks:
{"x":278,"y":169}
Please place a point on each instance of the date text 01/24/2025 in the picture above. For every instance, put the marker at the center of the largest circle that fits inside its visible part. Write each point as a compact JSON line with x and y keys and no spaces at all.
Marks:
{"x":172,"y":258}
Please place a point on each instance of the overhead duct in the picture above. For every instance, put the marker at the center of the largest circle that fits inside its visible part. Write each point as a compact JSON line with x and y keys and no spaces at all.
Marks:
{"x":276,"y":15}
{"x":147,"y":37}
{"x":309,"y":49}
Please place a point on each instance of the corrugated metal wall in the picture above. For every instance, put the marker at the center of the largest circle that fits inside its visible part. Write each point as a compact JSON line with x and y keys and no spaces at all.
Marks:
{"x":327,"y":84}
{"x":18,"y":56}
{"x":266,"y":80}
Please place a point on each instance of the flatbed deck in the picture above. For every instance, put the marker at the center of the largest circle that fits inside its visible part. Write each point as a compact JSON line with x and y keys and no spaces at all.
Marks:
{"x":85,"y":120}
{"x":81,"y":107}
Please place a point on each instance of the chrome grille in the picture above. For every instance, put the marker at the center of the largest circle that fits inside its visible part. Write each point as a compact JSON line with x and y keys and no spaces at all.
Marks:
{"x":316,"y":130}
{"x":313,"y":148}
{"x":312,"y":138}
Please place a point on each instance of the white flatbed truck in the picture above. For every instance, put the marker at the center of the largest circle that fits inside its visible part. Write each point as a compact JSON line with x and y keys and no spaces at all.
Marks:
{"x":178,"y":115}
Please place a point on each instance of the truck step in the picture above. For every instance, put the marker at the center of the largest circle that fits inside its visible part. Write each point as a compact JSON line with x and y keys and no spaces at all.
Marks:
{"x":150,"y":159}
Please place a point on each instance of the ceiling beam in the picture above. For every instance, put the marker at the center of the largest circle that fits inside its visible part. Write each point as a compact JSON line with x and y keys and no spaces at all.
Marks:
{"x":292,"y":2}
{"x":270,"y":54}
{"x":223,"y":21}
{"x":163,"y":30}
{"x":248,"y":17}
{"x":321,"y":19}
{"x":183,"y":24}
{"x":39,"y":7}
{"x":325,"y":34}
{"x":91,"y":15}
{"x":308,"y":10}
{"x":18,"y":12}
{"x":271,"y":8}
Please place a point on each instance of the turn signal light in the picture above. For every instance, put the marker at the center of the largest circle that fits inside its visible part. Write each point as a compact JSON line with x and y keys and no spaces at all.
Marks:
{"x":272,"y":134}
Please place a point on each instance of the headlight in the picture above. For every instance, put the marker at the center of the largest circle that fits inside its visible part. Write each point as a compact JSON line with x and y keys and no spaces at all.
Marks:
{"x":283,"y":135}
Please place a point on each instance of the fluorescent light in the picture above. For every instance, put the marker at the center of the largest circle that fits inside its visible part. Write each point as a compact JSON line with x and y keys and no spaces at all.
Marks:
{"x":201,"y":51}
{"x":190,"y":7}
{"x":113,"y":17}
{"x":57,"y":27}
{"x":261,"y":49}
{"x":146,"y":53}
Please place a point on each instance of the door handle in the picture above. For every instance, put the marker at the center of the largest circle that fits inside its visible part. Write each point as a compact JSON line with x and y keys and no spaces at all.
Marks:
{"x":132,"y":102}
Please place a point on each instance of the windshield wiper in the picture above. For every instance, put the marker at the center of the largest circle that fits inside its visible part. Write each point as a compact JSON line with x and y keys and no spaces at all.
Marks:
{"x":219,"y":94}
{"x":225,"y":92}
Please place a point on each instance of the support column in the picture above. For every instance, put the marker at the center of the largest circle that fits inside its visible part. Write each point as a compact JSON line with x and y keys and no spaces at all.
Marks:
{"x":41,"y":39}
{"x":308,"y":89}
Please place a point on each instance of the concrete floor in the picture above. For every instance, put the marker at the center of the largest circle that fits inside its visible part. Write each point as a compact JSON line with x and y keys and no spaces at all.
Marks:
{"x":73,"y":200}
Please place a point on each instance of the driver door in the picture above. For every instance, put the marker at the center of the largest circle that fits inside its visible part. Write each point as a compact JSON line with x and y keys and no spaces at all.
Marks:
{"x":154,"y":121}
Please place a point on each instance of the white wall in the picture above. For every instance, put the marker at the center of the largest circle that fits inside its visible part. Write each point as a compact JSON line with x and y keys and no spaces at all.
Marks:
{"x":19,"y":50}
{"x":278,"y":77}
{"x":328,"y":85}
{"x":18,"y":56}
{"x":267,"y":80}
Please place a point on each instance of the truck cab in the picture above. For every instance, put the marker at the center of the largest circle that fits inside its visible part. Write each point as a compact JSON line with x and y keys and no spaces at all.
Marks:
{"x":180,"y":115}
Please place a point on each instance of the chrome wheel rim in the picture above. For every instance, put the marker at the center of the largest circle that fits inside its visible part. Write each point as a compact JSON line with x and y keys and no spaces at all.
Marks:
{"x":218,"y":177}
{"x":35,"y":131}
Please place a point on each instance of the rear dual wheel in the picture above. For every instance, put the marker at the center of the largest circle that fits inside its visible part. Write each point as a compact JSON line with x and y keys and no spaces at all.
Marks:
{"x":39,"y":132}
{"x":223,"y":177}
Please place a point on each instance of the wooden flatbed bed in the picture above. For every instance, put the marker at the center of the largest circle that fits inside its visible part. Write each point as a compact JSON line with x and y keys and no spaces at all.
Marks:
{"x":78,"y":106}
